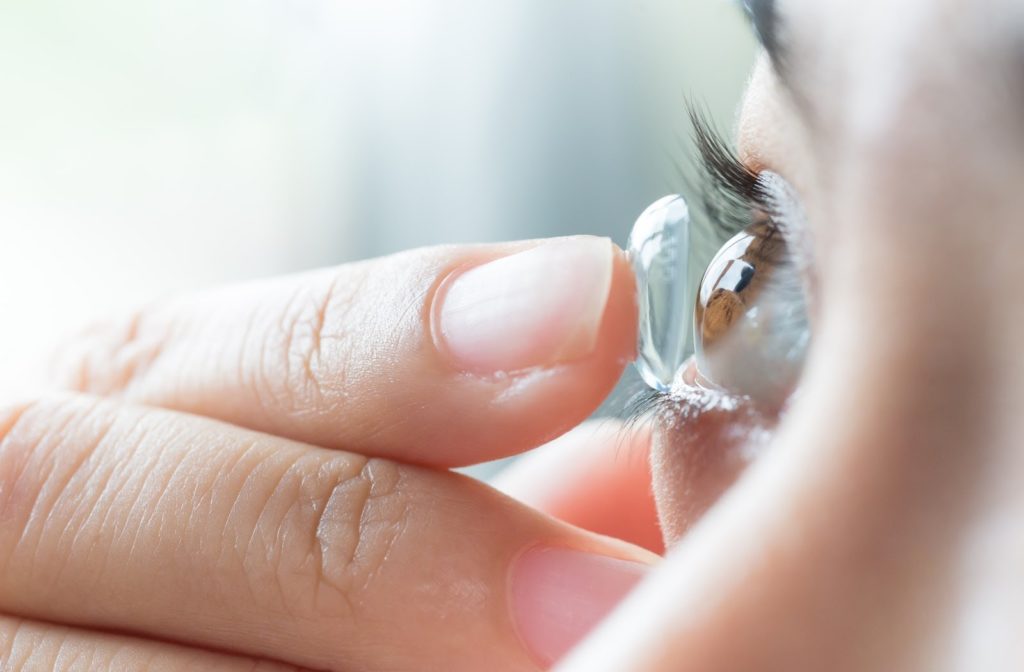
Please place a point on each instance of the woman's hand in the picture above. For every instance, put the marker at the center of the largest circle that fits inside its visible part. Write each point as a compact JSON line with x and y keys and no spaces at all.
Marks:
{"x":325,"y":549}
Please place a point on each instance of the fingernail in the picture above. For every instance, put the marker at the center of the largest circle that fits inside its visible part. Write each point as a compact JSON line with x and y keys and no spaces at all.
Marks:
{"x":558,"y":595}
{"x":536,"y":308}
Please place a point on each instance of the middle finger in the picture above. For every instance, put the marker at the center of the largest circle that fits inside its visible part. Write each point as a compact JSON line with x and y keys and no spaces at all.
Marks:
{"x":186,"y":529}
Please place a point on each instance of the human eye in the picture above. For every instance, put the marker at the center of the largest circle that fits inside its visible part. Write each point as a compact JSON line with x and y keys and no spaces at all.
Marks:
{"x":745,"y":318}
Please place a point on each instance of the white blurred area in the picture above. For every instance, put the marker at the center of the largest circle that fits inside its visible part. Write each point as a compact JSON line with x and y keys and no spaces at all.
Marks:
{"x":151,"y":147}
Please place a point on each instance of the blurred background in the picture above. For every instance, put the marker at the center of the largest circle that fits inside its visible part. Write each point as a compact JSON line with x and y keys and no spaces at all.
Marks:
{"x":152,"y":147}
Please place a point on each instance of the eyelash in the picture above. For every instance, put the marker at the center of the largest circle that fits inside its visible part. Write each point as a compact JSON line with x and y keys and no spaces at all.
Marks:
{"x":732,"y":196}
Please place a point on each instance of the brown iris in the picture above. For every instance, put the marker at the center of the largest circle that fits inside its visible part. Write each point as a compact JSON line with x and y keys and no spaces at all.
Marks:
{"x":742,"y":321}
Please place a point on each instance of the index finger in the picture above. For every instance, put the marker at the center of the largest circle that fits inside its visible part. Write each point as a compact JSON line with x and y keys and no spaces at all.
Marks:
{"x":445,"y":356}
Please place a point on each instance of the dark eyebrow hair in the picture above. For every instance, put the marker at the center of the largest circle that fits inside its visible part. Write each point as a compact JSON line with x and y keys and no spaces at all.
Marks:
{"x":770,"y":30}
{"x":765,"y":19}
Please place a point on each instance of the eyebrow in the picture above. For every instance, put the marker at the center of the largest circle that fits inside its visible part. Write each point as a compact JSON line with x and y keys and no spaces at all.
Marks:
{"x":769,"y":28}
{"x":764,"y":18}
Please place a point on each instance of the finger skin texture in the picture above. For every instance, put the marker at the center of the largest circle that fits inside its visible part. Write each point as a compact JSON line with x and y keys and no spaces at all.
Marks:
{"x":186,"y":529}
{"x":27,"y":646}
{"x":351,"y":358}
{"x":595,"y":477}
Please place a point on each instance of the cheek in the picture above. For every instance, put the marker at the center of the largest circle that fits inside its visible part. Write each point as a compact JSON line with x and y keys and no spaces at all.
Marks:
{"x":705,"y":440}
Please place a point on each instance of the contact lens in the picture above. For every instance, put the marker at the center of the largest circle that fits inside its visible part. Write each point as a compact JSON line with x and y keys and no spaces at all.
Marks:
{"x":751,"y":326}
{"x":659,"y":250}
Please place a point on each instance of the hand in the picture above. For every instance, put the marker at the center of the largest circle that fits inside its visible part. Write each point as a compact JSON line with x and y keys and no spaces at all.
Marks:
{"x":289,"y":503}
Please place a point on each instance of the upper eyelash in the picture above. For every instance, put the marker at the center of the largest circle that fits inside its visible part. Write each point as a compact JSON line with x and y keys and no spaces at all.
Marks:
{"x":731,"y":194}
{"x":732,"y":197}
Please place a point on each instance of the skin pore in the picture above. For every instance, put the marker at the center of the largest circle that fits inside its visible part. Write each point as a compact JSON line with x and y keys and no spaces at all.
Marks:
{"x":880,"y":528}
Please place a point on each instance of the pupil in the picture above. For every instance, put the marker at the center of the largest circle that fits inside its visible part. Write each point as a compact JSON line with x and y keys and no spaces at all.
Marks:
{"x":737,"y":277}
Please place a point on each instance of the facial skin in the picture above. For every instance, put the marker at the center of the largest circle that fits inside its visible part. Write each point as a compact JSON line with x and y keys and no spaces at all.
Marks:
{"x":882,"y":528}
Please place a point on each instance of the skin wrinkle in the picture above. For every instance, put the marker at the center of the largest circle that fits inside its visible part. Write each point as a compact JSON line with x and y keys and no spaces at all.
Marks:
{"x":325,"y":327}
{"x":9,"y":638}
{"x":377,"y":496}
{"x":241,"y":369}
{"x":143,"y":348}
{"x":287,"y":575}
{"x":10,"y":475}
{"x":29,"y":451}
{"x":37,"y":646}
{"x":88,"y":524}
{"x":262,"y":381}
{"x":392,"y":510}
{"x":347,"y":530}
{"x":262,"y":552}
{"x":341,"y":300}
{"x":304,"y":495}
{"x":122,"y":356}
{"x":253,"y":475}
{"x":302,"y":325}
{"x":206,"y":497}
{"x":311,"y":362}
{"x":119,"y":471}
{"x":69,"y":472}
{"x":140,"y":502}
{"x":287,"y":327}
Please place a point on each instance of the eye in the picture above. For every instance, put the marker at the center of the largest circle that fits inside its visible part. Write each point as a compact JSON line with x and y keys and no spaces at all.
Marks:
{"x":746,"y":320}
{"x":751,"y":330}
{"x":746,"y":323}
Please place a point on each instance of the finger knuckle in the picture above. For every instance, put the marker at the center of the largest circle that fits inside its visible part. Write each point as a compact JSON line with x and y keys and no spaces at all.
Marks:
{"x":108,"y":357}
{"x":297,"y":370}
{"x":340,"y":522}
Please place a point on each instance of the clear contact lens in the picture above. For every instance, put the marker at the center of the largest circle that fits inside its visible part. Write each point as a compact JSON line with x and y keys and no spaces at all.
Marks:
{"x":659,"y":249}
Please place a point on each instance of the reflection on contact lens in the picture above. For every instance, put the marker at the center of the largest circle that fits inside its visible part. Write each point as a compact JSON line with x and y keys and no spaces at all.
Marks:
{"x":659,"y":249}
{"x":750,"y":318}
{"x":746,"y":320}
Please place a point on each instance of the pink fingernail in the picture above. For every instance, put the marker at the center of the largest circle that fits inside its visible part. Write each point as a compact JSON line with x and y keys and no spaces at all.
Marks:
{"x":539,"y":307}
{"x":558,"y":595}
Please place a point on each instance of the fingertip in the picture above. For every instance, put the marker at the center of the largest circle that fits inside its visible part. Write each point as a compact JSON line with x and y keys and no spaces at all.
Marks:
{"x":620,"y":325}
{"x":597,"y":477}
{"x":503,"y":410}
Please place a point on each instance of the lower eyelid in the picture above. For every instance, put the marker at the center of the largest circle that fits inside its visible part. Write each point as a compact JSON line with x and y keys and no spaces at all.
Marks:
{"x":705,"y":441}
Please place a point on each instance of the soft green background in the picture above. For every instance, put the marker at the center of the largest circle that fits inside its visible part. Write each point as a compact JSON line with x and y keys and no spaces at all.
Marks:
{"x":150,"y":146}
